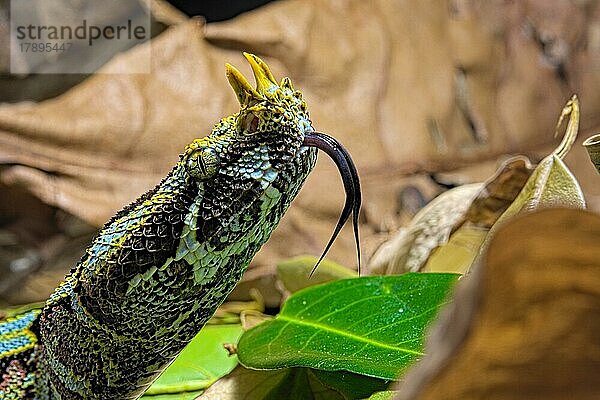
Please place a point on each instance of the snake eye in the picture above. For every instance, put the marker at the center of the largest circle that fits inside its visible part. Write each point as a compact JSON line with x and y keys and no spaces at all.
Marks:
{"x":203,"y":163}
{"x":251,"y":123}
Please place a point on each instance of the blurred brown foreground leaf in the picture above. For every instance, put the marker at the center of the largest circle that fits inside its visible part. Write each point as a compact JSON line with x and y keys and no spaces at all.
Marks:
{"x":524,"y":324}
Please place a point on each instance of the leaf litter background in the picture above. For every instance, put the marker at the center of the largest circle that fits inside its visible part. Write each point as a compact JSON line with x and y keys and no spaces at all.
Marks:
{"x":434,"y":87}
{"x":424,"y":95}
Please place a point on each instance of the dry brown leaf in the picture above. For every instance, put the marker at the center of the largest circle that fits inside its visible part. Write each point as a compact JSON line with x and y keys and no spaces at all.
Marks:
{"x":524,"y":324}
{"x":458,"y":253}
{"x":499,"y":192}
{"x":251,"y":318}
{"x":469,"y":210}
{"x":515,"y":187}
{"x":496,"y":195}
{"x":410,"y":248}
{"x":551,"y":184}
{"x":482,"y":85}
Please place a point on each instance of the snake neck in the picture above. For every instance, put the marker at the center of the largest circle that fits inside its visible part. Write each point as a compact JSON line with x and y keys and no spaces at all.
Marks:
{"x":151,"y":279}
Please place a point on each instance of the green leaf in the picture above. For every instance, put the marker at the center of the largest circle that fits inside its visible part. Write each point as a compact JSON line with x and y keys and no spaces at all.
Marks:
{"x":178,"y":396}
{"x":202,"y":362}
{"x":385,"y":395}
{"x":371,"y":326}
{"x":351,"y":386}
{"x":294,"y":273}
{"x":295,"y":385}
{"x":290,"y":384}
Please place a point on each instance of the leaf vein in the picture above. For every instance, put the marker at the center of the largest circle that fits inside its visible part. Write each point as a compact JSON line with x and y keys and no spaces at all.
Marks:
{"x":290,"y":320}
{"x":407,"y":319}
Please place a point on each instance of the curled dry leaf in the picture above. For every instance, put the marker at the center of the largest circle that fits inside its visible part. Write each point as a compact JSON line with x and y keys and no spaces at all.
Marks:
{"x":516,"y":187}
{"x":470,"y":210}
{"x":409,"y":249}
{"x":524,"y":324}
{"x":552,"y":184}
{"x":496,"y":195}
{"x":499,"y":192}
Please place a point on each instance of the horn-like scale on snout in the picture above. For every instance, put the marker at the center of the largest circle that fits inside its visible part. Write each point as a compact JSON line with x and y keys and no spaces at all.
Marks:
{"x":266,"y":85}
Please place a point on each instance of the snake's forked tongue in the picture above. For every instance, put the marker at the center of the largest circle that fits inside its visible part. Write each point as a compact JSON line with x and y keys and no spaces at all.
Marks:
{"x":345,"y":165}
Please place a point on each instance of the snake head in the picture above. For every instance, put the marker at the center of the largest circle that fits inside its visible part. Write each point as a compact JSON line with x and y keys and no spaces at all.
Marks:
{"x":266,"y":133}
{"x":247,"y":171}
{"x":270,"y":106}
{"x":254,"y":162}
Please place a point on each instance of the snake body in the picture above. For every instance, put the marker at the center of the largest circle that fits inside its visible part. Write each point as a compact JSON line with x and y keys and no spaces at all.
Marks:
{"x":158,"y":270}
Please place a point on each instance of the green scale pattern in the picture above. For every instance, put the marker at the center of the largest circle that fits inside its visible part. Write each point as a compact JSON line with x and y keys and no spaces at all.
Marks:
{"x":158,"y":270}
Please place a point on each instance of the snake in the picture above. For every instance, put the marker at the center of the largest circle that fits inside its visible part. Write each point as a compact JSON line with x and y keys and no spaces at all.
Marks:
{"x":158,"y":269}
